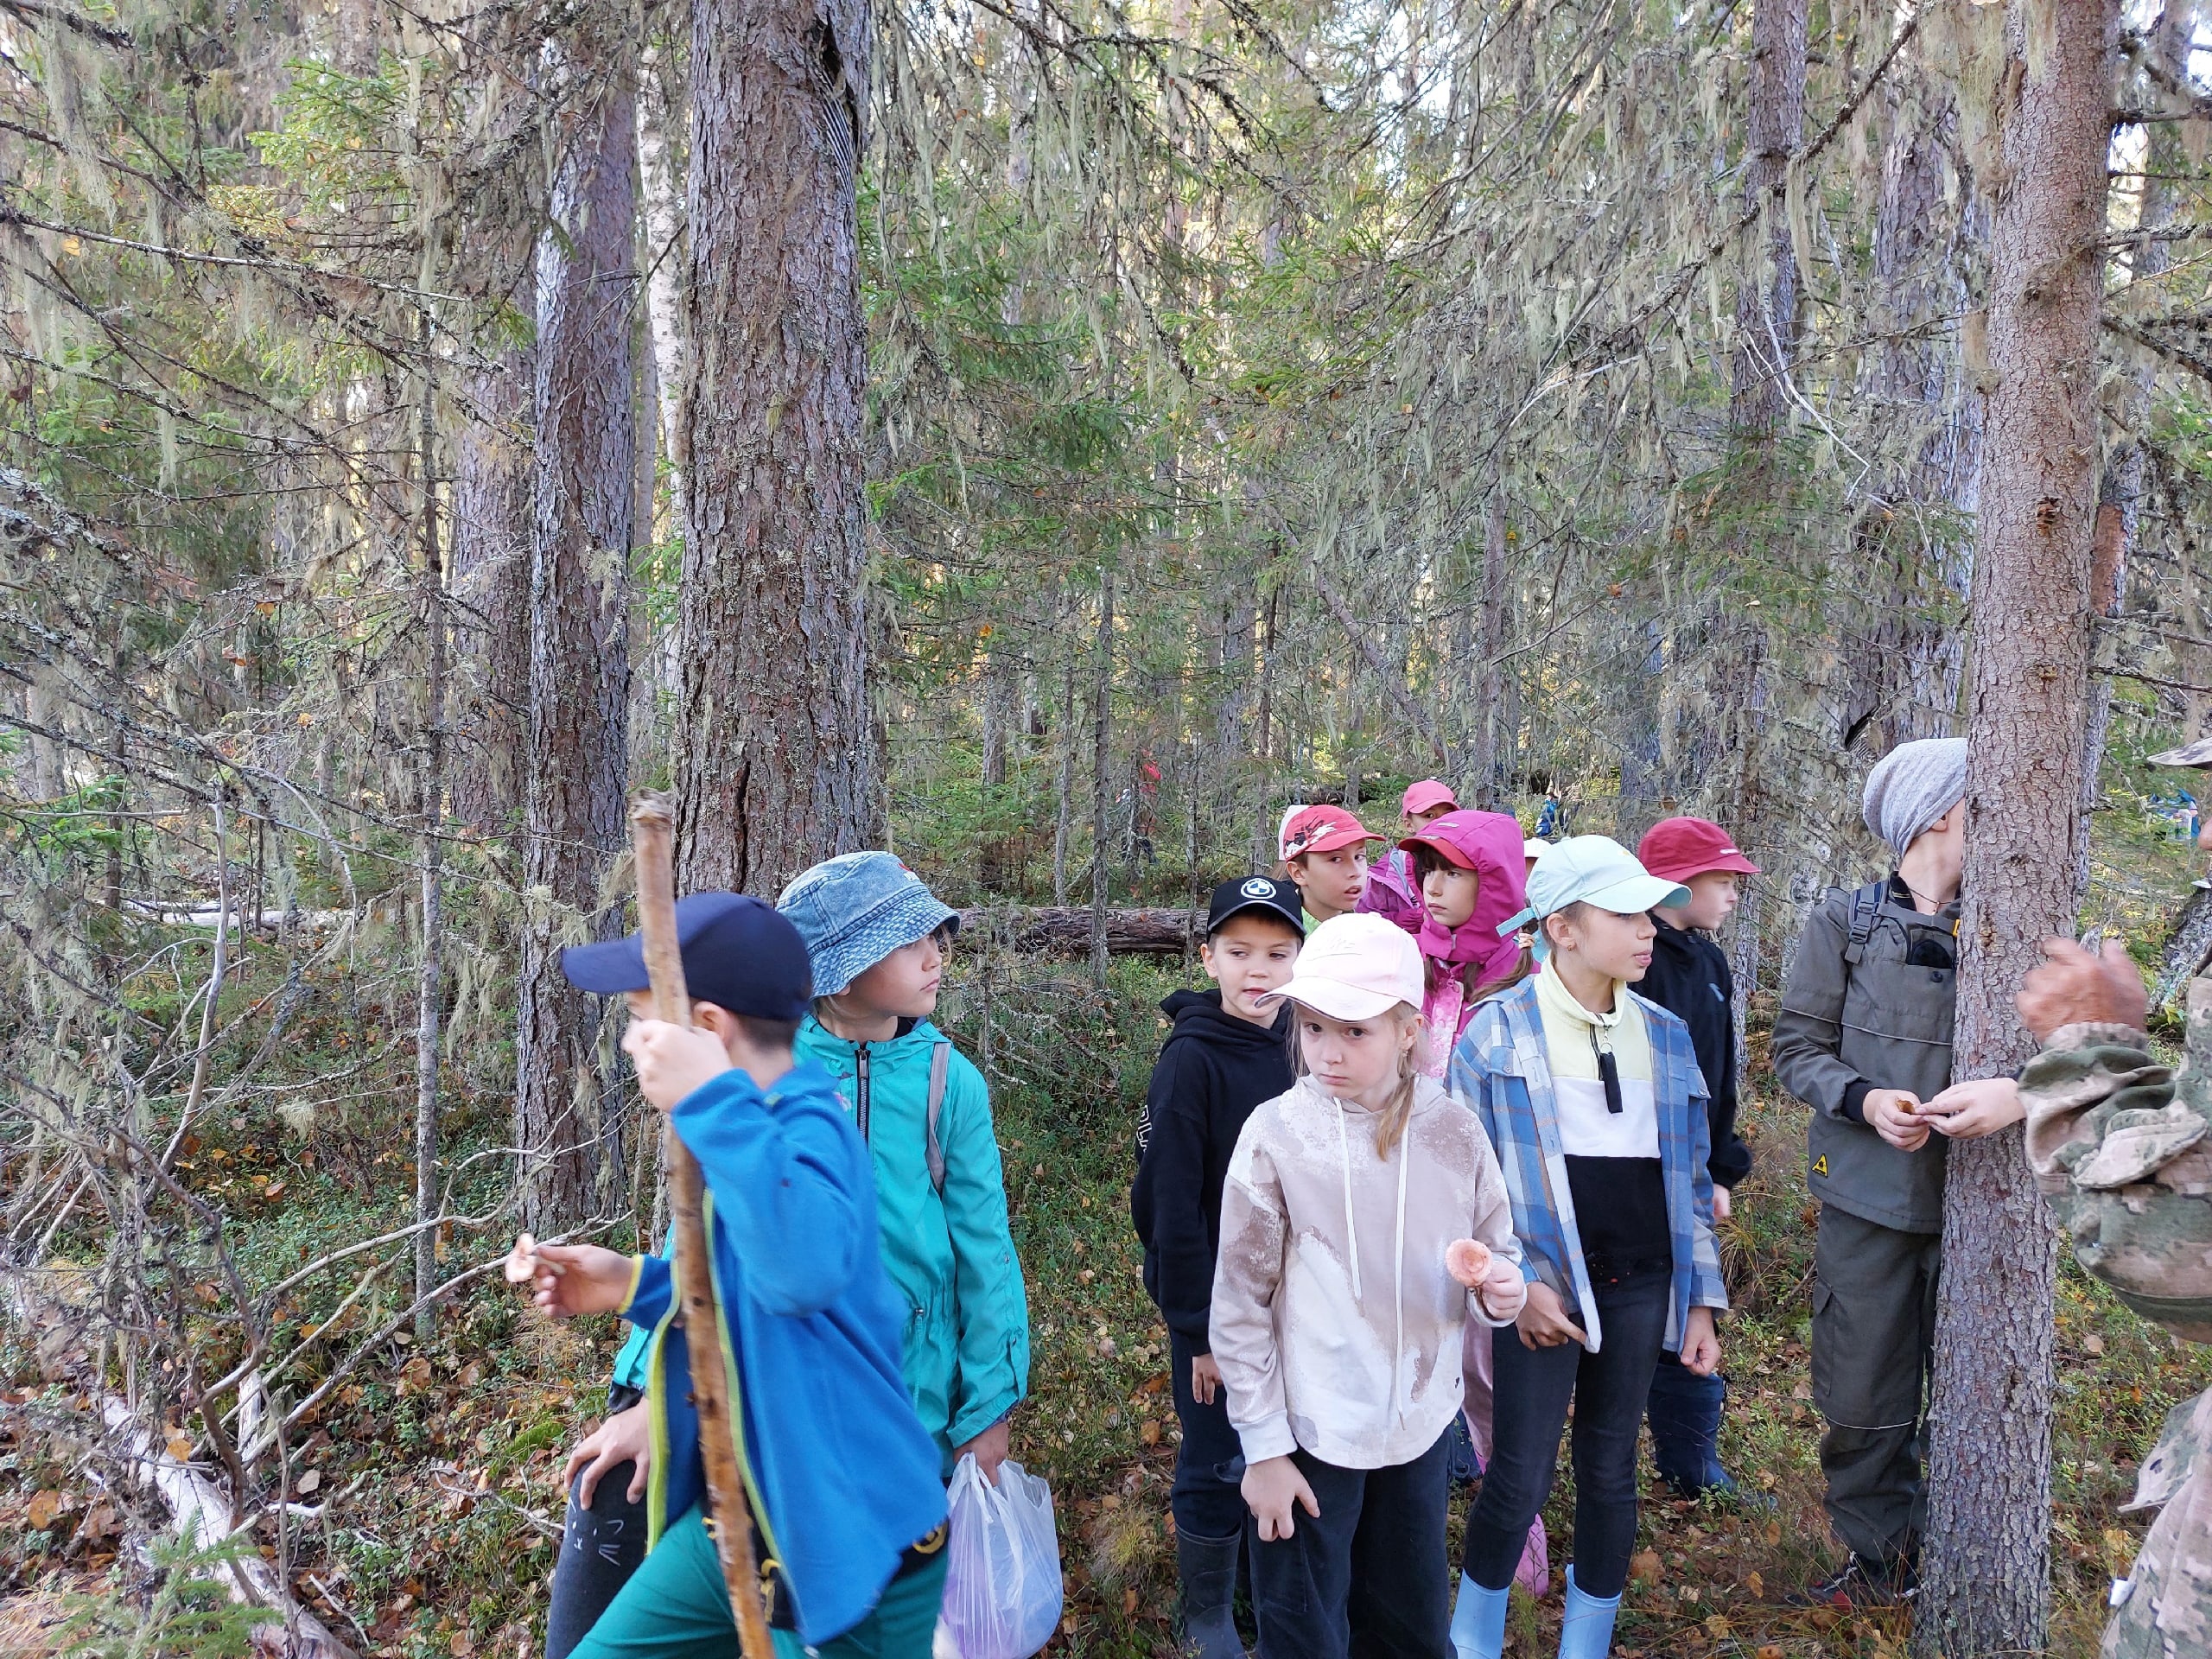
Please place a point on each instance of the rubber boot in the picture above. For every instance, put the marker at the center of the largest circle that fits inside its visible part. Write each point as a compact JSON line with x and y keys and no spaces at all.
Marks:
{"x":1208,"y":1569}
{"x":1478,"y":1621}
{"x":1586,"y":1631}
{"x":1685,"y":1410}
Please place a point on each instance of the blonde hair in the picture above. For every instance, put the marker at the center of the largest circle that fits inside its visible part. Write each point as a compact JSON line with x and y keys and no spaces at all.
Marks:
{"x":1390,"y":1124}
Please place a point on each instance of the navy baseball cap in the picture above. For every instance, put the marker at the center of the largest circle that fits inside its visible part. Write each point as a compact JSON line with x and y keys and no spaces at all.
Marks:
{"x":1271,"y":898}
{"x":738,"y":954}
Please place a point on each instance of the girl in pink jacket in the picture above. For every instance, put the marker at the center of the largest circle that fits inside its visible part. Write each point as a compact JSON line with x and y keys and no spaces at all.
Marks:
{"x":1472,"y":873}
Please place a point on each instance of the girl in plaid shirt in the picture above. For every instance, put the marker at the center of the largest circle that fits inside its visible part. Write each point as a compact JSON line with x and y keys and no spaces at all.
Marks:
{"x":1592,"y":1098}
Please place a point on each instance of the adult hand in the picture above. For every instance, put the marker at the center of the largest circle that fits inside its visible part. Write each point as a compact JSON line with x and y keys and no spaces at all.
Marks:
{"x":990,"y":1448}
{"x":626,"y":1437}
{"x":1965,"y":1111}
{"x":566,"y":1280}
{"x":1700,"y":1343}
{"x":1723,"y":1205}
{"x":1890,"y":1114}
{"x":1205,"y":1378}
{"x":672,"y":1060}
{"x":1272,"y":1486}
{"x":1543,"y":1322}
{"x":2074,"y":988}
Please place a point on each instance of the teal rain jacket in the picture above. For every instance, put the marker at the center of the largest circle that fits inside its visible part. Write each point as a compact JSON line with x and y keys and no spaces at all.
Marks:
{"x":949,"y":1255}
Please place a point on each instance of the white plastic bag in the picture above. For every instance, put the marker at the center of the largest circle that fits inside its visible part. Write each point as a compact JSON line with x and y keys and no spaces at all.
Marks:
{"x":1003,"y":1593}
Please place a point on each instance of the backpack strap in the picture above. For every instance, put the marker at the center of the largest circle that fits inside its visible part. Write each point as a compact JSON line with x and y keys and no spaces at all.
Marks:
{"x":933,"y":1148}
{"x":1865,"y":907}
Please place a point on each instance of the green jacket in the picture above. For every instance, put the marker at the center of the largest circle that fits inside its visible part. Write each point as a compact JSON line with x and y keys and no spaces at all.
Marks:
{"x":1869,"y":1004}
{"x":949,"y":1255}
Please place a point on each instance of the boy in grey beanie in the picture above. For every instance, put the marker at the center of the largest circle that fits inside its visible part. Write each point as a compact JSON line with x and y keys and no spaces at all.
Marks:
{"x":1864,"y":1038}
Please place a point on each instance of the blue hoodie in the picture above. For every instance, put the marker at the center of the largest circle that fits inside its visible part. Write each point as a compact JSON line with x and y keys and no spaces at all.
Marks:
{"x":841,"y":1476}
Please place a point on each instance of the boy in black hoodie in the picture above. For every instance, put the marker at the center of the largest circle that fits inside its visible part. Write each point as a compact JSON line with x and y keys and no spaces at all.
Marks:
{"x":1225,"y":1055}
{"x":1689,"y":976}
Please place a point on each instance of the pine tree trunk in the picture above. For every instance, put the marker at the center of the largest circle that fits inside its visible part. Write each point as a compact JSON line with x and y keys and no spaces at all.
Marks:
{"x":1486,"y":779}
{"x":1985,"y":1578}
{"x":577,"y":762}
{"x":779,"y":761}
{"x":429,"y":979}
{"x":492,"y":528}
{"x":1063,"y":789}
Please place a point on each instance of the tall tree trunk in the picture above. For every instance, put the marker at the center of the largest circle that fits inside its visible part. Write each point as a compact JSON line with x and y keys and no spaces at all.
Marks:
{"x":430,"y":982}
{"x":661,"y":211}
{"x":2120,"y":494}
{"x":578,"y":753}
{"x":1000,"y":688}
{"x":1064,"y":792}
{"x":1490,"y":651}
{"x":1101,"y":799}
{"x":779,"y":761}
{"x":1985,"y":1584}
{"x":491,"y":529}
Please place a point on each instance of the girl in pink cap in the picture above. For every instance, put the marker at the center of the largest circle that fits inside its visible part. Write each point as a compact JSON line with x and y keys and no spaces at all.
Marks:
{"x":1393,"y":890}
{"x":1469,"y":872}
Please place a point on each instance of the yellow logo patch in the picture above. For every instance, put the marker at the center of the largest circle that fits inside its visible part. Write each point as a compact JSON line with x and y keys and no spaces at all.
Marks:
{"x":1821,"y":1167}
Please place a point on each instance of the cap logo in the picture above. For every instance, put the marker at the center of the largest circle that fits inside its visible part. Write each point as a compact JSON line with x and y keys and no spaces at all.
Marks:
{"x":1258,"y":888}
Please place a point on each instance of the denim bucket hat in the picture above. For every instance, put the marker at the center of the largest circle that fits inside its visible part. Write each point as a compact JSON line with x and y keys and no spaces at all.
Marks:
{"x":855,"y":910}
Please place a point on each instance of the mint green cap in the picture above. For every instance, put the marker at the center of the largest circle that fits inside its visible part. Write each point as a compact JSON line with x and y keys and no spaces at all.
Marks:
{"x":1592,"y":870}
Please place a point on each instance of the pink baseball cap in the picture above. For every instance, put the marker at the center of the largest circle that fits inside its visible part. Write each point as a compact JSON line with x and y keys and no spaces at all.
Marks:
{"x":1675,"y":849}
{"x":1356,"y":967}
{"x":1322,"y":829}
{"x":1428,"y":793}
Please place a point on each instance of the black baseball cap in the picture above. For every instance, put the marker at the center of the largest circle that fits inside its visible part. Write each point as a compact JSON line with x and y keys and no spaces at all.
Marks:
{"x":738,"y":954}
{"x":1264,"y":894}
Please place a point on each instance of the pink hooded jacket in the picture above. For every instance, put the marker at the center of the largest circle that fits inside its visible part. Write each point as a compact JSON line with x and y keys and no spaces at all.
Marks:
{"x":1469,"y":956}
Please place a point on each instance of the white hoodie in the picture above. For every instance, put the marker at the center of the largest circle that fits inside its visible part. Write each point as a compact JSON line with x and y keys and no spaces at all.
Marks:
{"x":1336,"y":1326}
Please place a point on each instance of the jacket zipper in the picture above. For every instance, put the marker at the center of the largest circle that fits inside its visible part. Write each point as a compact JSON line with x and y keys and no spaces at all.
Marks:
{"x":860,"y":1089}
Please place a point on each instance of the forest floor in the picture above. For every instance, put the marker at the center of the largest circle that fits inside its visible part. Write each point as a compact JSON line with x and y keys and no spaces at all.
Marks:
{"x":431,"y":1473}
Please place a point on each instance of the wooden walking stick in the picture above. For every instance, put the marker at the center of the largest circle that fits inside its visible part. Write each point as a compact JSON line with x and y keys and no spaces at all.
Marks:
{"x":652,"y":825}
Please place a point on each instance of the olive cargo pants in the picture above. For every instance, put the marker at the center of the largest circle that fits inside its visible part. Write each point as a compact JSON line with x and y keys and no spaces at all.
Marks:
{"x":1874,"y":1347}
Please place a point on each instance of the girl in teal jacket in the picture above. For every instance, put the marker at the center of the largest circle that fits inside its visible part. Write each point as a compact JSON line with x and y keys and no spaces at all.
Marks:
{"x":876,"y":937}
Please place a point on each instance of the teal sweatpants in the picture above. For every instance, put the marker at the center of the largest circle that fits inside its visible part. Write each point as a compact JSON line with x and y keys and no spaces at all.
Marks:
{"x":675,"y":1607}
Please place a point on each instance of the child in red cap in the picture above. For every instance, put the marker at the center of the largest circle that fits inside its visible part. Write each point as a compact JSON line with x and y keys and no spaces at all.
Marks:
{"x":1324,"y":850}
{"x":1689,"y":976}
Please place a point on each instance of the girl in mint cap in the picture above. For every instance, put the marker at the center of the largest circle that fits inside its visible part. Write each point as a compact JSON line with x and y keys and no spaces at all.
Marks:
{"x":1592,"y":1098}
{"x":877,"y":937}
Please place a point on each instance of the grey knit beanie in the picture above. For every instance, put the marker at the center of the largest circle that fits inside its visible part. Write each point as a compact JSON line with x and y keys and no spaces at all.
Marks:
{"x":1914,"y":784}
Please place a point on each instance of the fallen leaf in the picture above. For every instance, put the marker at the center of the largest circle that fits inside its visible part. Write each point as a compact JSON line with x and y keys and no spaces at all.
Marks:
{"x":310,"y":1481}
{"x":1149,"y":1435}
{"x":2094,"y":1343}
{"x":1773,"y":1534}
{"x":1769,"y":1651}
{"x":44,"y":1507}
{"x":1643,"y":1567}
{"x":180,"y":1444}
{"x":462,"y":1644}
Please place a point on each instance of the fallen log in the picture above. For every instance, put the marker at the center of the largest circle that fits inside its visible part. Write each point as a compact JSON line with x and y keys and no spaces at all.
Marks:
{"x":1064,"y":930}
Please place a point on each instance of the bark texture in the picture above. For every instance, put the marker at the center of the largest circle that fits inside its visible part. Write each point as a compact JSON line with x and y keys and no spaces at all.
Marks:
{"x":492,"y":530}
{"x":1985,"y":1585}
{"x":579,"y":665}
{"x":777,"y":764}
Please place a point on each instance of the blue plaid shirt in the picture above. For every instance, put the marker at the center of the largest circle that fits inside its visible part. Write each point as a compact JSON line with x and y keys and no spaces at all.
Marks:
{"x":1501,"y":1069}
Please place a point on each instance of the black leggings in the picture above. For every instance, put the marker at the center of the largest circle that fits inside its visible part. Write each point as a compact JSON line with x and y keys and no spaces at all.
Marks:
{"x":1532,"y":1390}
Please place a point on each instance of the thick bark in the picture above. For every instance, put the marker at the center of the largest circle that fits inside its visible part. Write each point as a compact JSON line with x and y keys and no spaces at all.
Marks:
{"x":1985,"y":1586}
{"x":492,"y":519}
{"x":1000,"y":686}
{"x":1486,"y":775}
{"x":578,"y":753}
{"x":778,"y":765}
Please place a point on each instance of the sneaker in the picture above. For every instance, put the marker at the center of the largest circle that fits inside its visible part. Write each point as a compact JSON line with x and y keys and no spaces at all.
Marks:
{"x":1860,"y":1583}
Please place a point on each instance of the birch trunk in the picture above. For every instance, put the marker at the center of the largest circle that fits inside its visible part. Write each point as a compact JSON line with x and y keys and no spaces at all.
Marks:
{"x":1985,"y":1578}
{"x":1101,"y":798}
{"x":430,"y":794}
{"x":779,"y":762}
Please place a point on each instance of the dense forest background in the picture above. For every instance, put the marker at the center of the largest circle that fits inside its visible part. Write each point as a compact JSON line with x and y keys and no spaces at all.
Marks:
{"x":1238,"y":403}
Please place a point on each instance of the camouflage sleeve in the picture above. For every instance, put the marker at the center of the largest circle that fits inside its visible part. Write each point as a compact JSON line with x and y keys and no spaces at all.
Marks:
{"x":2084,"y":1075}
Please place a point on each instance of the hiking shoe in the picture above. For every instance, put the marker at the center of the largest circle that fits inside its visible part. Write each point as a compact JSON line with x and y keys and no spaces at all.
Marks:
{"x":1861,"y":1583}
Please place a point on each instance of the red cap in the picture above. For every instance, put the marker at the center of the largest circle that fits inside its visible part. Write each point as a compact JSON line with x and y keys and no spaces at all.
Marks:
{"x":1675,"y":849}
{"x":1322,"y":829}
{"x":1428,"y":793}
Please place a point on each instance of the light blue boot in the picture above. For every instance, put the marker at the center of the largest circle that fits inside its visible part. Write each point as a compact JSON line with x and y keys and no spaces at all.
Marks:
{"x":1478,"y":1621}
{"x":1586,"y":1631}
